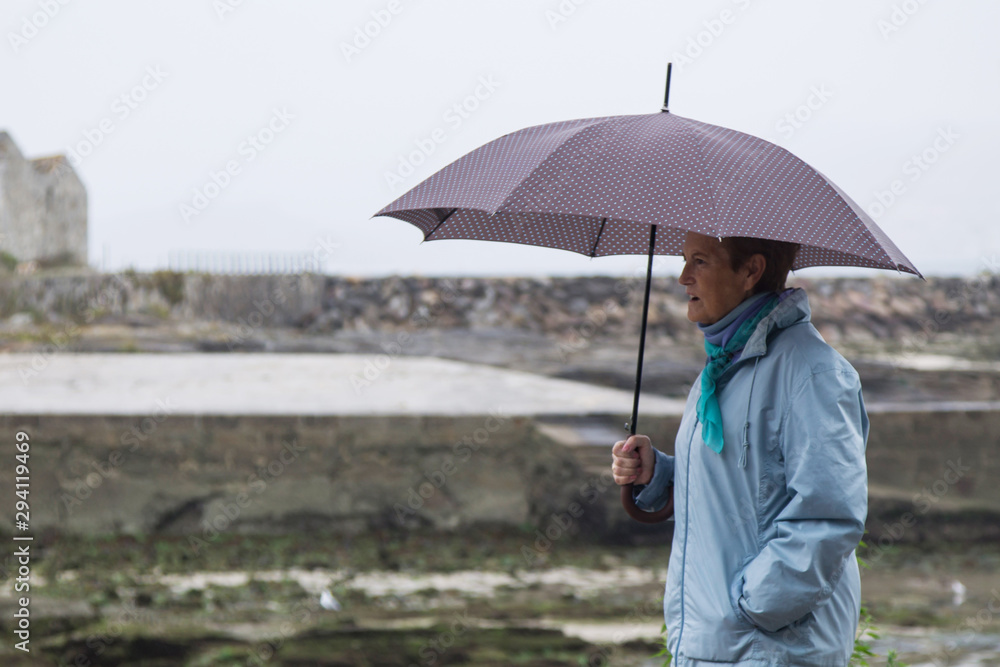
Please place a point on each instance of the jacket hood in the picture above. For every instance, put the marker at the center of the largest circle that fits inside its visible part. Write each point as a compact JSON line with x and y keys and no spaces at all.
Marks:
{"x":793,"y":310}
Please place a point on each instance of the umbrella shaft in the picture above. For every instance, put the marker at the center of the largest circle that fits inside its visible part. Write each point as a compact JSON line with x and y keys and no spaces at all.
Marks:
{"x":642,"y":334}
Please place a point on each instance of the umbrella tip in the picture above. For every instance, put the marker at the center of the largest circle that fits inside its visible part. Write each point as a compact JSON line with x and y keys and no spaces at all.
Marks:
{"x":666,"y":94}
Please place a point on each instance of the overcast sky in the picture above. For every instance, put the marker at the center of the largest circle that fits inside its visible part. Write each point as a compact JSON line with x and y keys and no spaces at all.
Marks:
{"x":317,"y":121}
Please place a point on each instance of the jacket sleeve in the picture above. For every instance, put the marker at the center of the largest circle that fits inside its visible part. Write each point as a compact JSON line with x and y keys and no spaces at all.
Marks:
{"x":653,"y":496}
{"x":823,"y":437}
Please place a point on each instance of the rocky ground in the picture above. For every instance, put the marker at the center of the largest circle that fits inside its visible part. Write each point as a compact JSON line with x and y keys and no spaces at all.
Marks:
{"x":434,"y":599}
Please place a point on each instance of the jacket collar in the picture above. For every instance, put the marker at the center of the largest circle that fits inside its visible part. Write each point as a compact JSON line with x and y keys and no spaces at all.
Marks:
{"x":792,"y":310}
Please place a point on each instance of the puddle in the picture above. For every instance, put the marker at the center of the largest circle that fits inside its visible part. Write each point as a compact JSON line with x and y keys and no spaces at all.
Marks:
{"x":602,"y":632}
{"x":923,"y":647}
{"x":474,"y":583}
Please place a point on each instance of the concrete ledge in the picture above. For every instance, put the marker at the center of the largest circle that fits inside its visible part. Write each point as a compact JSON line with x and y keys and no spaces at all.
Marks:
{"x":293,"y":384}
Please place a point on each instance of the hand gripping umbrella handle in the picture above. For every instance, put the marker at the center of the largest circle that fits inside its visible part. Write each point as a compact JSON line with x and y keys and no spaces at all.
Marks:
{"x":627,"y":501}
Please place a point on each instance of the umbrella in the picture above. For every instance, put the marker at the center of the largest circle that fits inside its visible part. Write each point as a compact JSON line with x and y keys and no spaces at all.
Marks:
{"x":605,"y":186}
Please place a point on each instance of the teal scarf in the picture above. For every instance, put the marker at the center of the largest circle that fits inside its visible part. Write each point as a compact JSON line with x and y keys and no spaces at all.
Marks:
{"x":719,"y":359}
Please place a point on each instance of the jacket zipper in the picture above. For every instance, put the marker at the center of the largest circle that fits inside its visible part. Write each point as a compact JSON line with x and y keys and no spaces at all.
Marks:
{"x":687,"y":524}
{"x":746,"y":421}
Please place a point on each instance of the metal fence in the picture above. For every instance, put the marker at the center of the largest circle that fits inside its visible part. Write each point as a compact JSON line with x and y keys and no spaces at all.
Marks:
{"x":244,"y":263}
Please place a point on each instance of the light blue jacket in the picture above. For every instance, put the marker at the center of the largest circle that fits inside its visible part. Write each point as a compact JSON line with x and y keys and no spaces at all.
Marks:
{"x":762,"y":569}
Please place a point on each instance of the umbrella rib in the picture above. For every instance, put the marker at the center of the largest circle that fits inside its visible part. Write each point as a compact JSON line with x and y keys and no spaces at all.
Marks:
{"x":596,"y":242}
{"x":450,"y":213}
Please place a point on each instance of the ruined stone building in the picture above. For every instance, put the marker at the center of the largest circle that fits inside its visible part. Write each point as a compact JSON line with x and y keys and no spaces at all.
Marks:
{"x":43,"y":208}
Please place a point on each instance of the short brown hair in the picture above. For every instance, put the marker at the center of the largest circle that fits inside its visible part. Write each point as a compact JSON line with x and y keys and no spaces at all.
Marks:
{"x":778,"y":259}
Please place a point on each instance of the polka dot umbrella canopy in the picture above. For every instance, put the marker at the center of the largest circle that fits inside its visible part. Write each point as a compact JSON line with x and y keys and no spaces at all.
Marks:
{"x":629,"y":185}
{"x":596,"y":185}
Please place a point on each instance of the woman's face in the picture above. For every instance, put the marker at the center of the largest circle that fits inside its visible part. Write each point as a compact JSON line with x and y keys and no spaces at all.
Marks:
{"x":713,"y":288}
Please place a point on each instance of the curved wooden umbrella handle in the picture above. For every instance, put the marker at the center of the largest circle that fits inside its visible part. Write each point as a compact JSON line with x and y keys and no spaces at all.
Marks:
{"x":643,"y":516}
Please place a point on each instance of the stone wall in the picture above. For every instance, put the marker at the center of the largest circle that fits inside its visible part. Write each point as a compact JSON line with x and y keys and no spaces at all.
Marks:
{"x":43,"y":208}
{"x":844,"y":310}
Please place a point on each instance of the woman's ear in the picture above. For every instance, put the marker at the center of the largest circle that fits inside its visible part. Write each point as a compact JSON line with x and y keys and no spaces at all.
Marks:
{"x":755,"y":271}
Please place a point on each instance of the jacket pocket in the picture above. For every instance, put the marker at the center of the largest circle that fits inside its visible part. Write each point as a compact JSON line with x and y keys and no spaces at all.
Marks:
{"x":735,"y":594}
{"x":712,"y":629}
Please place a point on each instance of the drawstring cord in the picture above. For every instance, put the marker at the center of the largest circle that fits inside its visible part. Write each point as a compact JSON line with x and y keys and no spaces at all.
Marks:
{"x":746,"y":422}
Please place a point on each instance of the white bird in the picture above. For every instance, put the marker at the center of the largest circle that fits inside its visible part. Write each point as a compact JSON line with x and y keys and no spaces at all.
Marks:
{"x":958,"y":590}
{"x":327,"y":601}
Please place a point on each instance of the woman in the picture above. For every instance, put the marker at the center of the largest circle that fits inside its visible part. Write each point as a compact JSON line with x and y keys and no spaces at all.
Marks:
{"x":769,"y":479}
